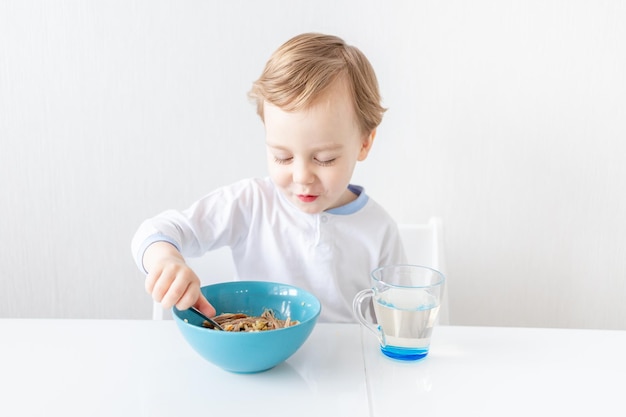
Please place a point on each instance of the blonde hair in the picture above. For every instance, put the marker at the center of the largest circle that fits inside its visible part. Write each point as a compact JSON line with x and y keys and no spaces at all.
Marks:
{"x":304,"y":66}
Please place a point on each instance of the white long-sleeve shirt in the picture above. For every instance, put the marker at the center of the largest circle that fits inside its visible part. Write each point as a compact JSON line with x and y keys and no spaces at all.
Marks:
{"x":330,"y":254}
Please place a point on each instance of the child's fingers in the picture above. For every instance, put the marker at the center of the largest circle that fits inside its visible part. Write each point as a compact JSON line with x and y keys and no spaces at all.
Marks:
{"x":162,"y":285}
{"x":203,"y":305}
{"x":189,"y":297}
{"x":178,"y":288}
{"x":151,"y":280}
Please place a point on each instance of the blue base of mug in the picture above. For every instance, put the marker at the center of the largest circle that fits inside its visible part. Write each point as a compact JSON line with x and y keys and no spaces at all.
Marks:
{"x":404,"y":354}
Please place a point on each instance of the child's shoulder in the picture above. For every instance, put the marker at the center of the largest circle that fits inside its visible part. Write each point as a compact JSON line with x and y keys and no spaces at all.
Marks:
{"x":374,"y":210}
{"x":262,"y":184}
{"x":250,"y":188}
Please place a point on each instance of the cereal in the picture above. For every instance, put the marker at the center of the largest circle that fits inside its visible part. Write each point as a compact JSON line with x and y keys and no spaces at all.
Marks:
{"x":239,"y":322}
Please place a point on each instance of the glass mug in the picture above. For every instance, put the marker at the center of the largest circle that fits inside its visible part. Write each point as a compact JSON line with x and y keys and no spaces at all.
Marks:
{"x":406,"y":300}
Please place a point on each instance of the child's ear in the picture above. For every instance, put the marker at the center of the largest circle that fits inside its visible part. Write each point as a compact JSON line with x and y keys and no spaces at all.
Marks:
{"x":368,"y":141}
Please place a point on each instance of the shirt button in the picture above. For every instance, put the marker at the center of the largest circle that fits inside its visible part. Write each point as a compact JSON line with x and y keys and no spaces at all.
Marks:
{"x":324,"y":219}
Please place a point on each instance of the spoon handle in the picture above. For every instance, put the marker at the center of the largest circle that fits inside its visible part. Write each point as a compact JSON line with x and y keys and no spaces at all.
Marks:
{"x":210,"y":320}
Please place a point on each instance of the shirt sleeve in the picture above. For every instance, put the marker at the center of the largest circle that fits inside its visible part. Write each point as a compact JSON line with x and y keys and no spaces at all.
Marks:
{"x":218,"y":219}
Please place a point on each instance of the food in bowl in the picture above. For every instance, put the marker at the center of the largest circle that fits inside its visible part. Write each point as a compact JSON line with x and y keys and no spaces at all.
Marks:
{"x":248,"y":352}
{"x":239,"y":322}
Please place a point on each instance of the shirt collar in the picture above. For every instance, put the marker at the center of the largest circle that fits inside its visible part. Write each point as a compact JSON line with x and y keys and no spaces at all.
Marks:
{"x":353,"y":206}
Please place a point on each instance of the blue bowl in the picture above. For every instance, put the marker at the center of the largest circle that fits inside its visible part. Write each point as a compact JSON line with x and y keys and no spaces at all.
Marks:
{"x":248,"y":352}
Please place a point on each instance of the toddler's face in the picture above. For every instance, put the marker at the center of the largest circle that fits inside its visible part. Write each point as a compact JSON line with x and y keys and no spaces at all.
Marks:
{"x":312,"y":153}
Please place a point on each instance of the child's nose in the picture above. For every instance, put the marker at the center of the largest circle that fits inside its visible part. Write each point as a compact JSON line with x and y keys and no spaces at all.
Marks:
{"x":303,"y":173}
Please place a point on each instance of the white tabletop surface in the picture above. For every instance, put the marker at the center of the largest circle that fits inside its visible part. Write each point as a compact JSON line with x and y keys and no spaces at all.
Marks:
{"x":504,"y":372}
{"x":145,"y":368}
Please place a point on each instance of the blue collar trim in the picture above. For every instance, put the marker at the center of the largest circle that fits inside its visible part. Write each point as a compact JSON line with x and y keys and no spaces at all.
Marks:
{"x":353,"y":206}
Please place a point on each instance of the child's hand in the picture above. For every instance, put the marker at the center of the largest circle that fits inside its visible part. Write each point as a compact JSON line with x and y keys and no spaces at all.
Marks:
{"x":171,"y":282}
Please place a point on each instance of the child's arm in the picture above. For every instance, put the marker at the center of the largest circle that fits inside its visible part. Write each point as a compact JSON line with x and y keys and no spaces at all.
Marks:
{"x":170,"y":281}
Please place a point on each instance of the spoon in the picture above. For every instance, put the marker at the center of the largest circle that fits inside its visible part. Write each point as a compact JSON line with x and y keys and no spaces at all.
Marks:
{"x":210,"y":320}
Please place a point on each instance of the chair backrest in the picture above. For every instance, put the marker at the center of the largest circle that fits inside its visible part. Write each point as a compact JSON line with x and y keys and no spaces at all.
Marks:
{"x":423,"y":244}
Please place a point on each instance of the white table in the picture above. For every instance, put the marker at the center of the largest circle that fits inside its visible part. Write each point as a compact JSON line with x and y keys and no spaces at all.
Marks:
{"x":145,"y":368}
{"x":504,"y":372}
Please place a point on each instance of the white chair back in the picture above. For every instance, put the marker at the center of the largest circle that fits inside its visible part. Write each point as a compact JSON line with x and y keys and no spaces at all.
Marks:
{"x":424,"y":245}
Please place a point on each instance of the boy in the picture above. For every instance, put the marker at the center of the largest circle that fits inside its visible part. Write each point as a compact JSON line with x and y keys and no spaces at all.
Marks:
{"x":305,"y":225}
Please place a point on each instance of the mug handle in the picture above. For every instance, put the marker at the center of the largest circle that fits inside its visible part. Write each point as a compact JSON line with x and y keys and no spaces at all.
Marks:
{"x":357,"y":307}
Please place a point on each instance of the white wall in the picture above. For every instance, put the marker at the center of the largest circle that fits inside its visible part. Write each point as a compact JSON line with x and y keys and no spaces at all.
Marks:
{"x":506,"y":118}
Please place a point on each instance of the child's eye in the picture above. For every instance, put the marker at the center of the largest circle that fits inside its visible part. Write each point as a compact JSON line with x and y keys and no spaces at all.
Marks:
{"x":326,"y":162}
{"x":282,"y":161}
